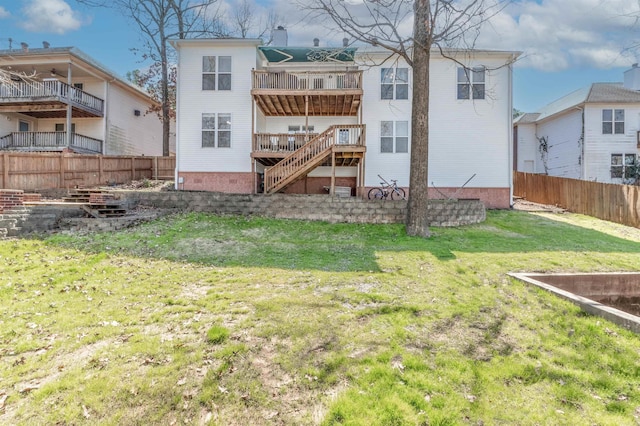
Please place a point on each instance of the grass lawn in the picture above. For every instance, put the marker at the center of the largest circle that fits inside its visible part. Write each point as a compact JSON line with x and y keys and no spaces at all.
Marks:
{"x":201,"y":319}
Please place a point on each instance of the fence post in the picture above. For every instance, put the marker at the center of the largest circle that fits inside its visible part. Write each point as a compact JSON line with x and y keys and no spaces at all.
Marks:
{"x":133,"y":168}
{"x":5,"y":170}
{"x":155,"y":168}
{"x":61,"y":170}
{"x":101,"y":169}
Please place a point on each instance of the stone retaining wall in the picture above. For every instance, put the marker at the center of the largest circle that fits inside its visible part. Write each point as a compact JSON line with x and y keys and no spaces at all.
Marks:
{"x":26,"y":219}
{"x":307,"y":207}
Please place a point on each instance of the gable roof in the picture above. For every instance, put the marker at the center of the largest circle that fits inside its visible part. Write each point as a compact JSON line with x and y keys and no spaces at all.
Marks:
{"x":527,"y":118}
{"x":612,"y":92}
{"x":596,"y":93}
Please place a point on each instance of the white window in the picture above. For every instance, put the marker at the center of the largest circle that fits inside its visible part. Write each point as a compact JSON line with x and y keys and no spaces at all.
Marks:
{"x":300,"y":129}
{"x":612,"y":121}
{"x":623,"y":166}
{"x":216,"y":130}
{"x":216,"y":73}
{"x":394,"y":136}
{"x":471,"y":83}
{"x":394,"y":83}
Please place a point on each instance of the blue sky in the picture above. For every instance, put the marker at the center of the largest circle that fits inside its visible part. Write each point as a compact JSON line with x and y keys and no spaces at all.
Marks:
{"x":567,"y":44}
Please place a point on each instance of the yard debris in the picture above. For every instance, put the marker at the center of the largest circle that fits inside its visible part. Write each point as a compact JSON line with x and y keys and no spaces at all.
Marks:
{"x":222,"y":390}
{"x":85,"y":412}
{"x":3,"y":399}
{"x":29,"y":387}
{"x":182,"y":381}
{"x":396,"y":363}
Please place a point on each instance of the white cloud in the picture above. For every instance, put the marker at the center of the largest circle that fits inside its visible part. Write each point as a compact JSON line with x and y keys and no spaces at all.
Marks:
{"x":4,"y":13}
{"x":561,"y":34}
{"x":552,"y":34}
{"x":50,"y":16}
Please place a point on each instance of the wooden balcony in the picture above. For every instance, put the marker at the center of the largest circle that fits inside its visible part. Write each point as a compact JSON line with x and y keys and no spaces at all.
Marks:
{"x":49,"y":141}
{"x":269,"y":148}
{"x":339,"y":145}
{"x":308,"y":93}
{"x":48,"y":99}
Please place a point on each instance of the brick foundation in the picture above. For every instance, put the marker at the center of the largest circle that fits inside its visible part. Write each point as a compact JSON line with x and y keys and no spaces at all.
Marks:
{"x":11,"y":198}
{"x":492,"y":198}
{"x":101,"y":198}
{"x":32,"y":198}
{"x":316,"y":185}
{"x":227,"y":182}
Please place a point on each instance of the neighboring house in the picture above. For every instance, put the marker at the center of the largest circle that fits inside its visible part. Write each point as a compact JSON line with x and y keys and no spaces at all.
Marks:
{"x":62,"y":88}
{"x":254,"y":118}
{"x":590,"y":134}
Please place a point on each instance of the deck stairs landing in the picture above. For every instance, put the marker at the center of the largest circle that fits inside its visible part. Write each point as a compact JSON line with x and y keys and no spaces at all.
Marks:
{"x":311,"y":155}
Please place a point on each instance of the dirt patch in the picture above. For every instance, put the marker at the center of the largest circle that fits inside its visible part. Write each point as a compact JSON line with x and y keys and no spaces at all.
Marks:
{"x":529,"y":206}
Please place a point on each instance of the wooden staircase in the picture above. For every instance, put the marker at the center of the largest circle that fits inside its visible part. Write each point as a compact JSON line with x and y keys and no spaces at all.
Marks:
{"x":311,"y":155}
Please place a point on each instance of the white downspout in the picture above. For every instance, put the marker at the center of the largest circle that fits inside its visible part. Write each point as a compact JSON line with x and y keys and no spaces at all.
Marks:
{"x":70,"y":98}
{"x":105,"y":117}
{"x":510,"y":135}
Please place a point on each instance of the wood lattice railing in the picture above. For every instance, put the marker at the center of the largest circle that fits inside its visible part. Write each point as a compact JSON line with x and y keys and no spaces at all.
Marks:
{"x":311,"y":155}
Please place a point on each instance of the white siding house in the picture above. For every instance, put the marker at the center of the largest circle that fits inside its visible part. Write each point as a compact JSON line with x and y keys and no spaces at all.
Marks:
{"x":107,"y":114}
{"x":253,"y":118}
{"x":590,"y":134}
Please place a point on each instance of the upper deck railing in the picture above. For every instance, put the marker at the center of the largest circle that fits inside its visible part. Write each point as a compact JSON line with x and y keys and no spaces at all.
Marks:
{"x":307,"y":80}
{"x":35,"y":90}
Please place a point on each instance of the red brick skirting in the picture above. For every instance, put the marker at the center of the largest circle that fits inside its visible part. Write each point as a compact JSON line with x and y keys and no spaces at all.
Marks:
{"x":32,"y":197}
{"x":101,"y":198}
{"x":492,"y":198}
{"x":229,"y":182}
{"x":10,"y":198}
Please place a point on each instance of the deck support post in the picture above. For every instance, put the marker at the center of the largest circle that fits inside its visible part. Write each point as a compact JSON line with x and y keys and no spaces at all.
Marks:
{"x":333,"y":171}
{"x":70,"y":96}
{"x":306,"y":117}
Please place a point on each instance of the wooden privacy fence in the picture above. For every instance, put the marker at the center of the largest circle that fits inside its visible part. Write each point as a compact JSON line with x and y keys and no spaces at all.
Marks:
{"x":612,"y":202}
{"x":34,"y":171}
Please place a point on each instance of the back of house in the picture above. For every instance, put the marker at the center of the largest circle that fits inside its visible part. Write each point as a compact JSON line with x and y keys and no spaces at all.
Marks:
{"x":316,"y":119}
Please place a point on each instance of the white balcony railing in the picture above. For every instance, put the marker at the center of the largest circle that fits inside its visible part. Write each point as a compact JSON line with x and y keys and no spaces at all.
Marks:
{"x":49,"y":141}
{"x":37,"y":90}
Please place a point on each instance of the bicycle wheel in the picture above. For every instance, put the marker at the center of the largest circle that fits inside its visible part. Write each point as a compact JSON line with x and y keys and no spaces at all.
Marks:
{"x":398,"y":194}
{"x":376,"y":194}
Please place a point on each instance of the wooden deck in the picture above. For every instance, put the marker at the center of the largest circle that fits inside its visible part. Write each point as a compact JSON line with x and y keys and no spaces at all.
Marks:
{"x":339,"y":145}
{"x":48,"y":99}
{"x":308,"y":93}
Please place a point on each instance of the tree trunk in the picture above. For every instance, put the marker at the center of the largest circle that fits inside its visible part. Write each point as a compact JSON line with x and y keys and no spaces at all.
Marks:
{"x":166,"y":116}
{"x":417,"y":211}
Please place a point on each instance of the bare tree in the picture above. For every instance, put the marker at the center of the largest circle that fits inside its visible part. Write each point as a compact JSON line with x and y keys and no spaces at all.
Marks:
{"x":437,"y":24}
{"x":244,"y":22}
{"x":8,"y":77}
{"x":159,"y":21}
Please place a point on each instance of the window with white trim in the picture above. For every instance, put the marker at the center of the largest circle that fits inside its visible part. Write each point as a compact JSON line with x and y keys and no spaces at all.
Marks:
{"x":394,"y":136}
{"x":612,"y":121}
{"x":216,"y":73}
{"x":394,"y":83}
{"x":300,"y":129}
{"x":216,"y":130}
{"x":471,"y":83}
{"x":623,"y":165}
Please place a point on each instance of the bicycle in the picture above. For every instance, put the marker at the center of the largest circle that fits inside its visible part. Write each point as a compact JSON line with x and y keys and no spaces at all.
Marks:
{"x":387,"y":190}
